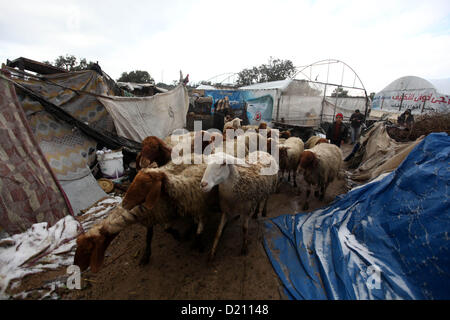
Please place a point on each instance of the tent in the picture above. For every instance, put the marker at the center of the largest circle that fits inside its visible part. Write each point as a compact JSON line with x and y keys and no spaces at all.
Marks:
{"x":70,"y":153}
{"x":410,"y":92}
{"x":29,"y":191}
{"x":69,"y":123}
{"x":387,"y":239}
{"x":139,"y":117}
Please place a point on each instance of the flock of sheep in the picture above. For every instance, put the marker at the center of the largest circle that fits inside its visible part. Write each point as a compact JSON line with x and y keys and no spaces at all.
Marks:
{"x":230,"y":175}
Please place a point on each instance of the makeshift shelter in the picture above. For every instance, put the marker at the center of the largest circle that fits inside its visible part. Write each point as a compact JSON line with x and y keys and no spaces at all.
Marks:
{"x":409,"y":92}
{"x":69,"y":124}
{"x":29,"y":191}
{"x":303,"y":102}
{"x":387,"y":239}
{"x":69,"y":152}
{"x":139,"y":117}
{"x":141,"y":89}
{"x":379,"y":153}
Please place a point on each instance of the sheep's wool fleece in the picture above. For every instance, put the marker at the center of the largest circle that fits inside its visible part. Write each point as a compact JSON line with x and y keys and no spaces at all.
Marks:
{"x":330,"y":162}
{"x":184,"y":188}
{"x":117,"y":220}
{"x":312,"y":141}
{"x":233,"y":124}
{"x":295,"y":148}
{"x":251,"y":185}
{"x":182,"y":196}
{"x":249,"y":127}
{"x":222,"y":147}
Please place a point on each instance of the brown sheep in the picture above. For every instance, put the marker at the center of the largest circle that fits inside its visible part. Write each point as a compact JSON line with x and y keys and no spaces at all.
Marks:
{"x":153,"y":150}
{"x":320,"y":166}
{"x":156,"y":196}
{"x":285,"y":134}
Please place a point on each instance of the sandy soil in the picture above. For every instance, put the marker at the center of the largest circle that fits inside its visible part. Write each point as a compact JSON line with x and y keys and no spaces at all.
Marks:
{"x":176,"y":271}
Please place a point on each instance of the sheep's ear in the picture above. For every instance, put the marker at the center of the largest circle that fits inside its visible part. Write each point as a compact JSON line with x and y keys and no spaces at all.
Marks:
{"x":101,"y":243}
{"x":153,"y":194}
{"x":138,"y":161}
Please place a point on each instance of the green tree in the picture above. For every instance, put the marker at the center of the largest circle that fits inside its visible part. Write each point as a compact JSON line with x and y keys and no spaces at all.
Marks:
{"x":70,"y":63}
{"x":137,"y":76}
{"x":165,"y":86}
{"x":341,"y":93}
{"x":276,"y":69}
{"x":249,"y":76}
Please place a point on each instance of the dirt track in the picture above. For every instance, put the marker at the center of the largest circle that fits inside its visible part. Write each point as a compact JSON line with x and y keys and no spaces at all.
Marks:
{"x":176,"y":271}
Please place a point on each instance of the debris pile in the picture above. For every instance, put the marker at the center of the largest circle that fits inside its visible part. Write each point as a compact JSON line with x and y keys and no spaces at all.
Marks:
{"x":424,"y":125}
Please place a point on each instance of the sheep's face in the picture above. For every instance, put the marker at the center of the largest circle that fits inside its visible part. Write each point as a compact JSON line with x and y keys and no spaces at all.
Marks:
{"x":214,"y":174}
{"x":145,"y":189}
{"x":309,"y":164}
{"x":308,"y":160}
{"x":150,"y":148}
{"x":91,"y":250}
{"x":153,"y":148}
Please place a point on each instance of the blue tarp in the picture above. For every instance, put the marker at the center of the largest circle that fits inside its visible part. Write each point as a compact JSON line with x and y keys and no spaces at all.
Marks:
{"x":388,"y":239}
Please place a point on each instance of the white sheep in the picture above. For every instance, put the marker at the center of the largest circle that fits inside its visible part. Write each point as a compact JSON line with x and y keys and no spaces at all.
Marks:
{"x":320,"y":165}
{"x":313,"y":141}
{"x":243,"y":184}
{"x":233,"y":124}
{"x":156,"y":196}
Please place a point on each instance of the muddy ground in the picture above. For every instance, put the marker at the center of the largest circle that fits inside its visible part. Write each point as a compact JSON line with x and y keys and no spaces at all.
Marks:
{"x":176,"y":271}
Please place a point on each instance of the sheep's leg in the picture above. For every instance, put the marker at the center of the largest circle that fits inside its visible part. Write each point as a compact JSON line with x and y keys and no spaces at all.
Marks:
{"x":255,"y":215}
{"x":198,"y":243}
{"x":264,"y":212}
{"x":245,"y":219}
{"x":322,"y":192}
{"x":289,"y":175}
{"x":223,"y":220}
{"x":308,"y":192}
{"x":189,"y":232}
{"x":148,"y":247}
{"x":294,"y":173}
{"x":173,"y":232}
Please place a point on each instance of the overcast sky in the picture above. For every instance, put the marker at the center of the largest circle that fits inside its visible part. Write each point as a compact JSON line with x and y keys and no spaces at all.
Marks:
{"x":380,"y":40}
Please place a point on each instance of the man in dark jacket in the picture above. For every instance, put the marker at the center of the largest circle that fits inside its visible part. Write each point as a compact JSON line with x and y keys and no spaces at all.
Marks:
{"x":356,"y":121}
{"x":337,"y":132}
{"x":406,"y":119}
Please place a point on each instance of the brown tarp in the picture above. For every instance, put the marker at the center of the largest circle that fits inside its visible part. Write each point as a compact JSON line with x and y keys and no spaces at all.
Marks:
{"x":381,"y":153}
{"x":29,"y":192}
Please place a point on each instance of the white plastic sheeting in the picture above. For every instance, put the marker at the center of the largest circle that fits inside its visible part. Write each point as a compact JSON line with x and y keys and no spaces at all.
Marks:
{"x":413,"y":93}
{"x":136,"y":118}
{"x":302,"y":102}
